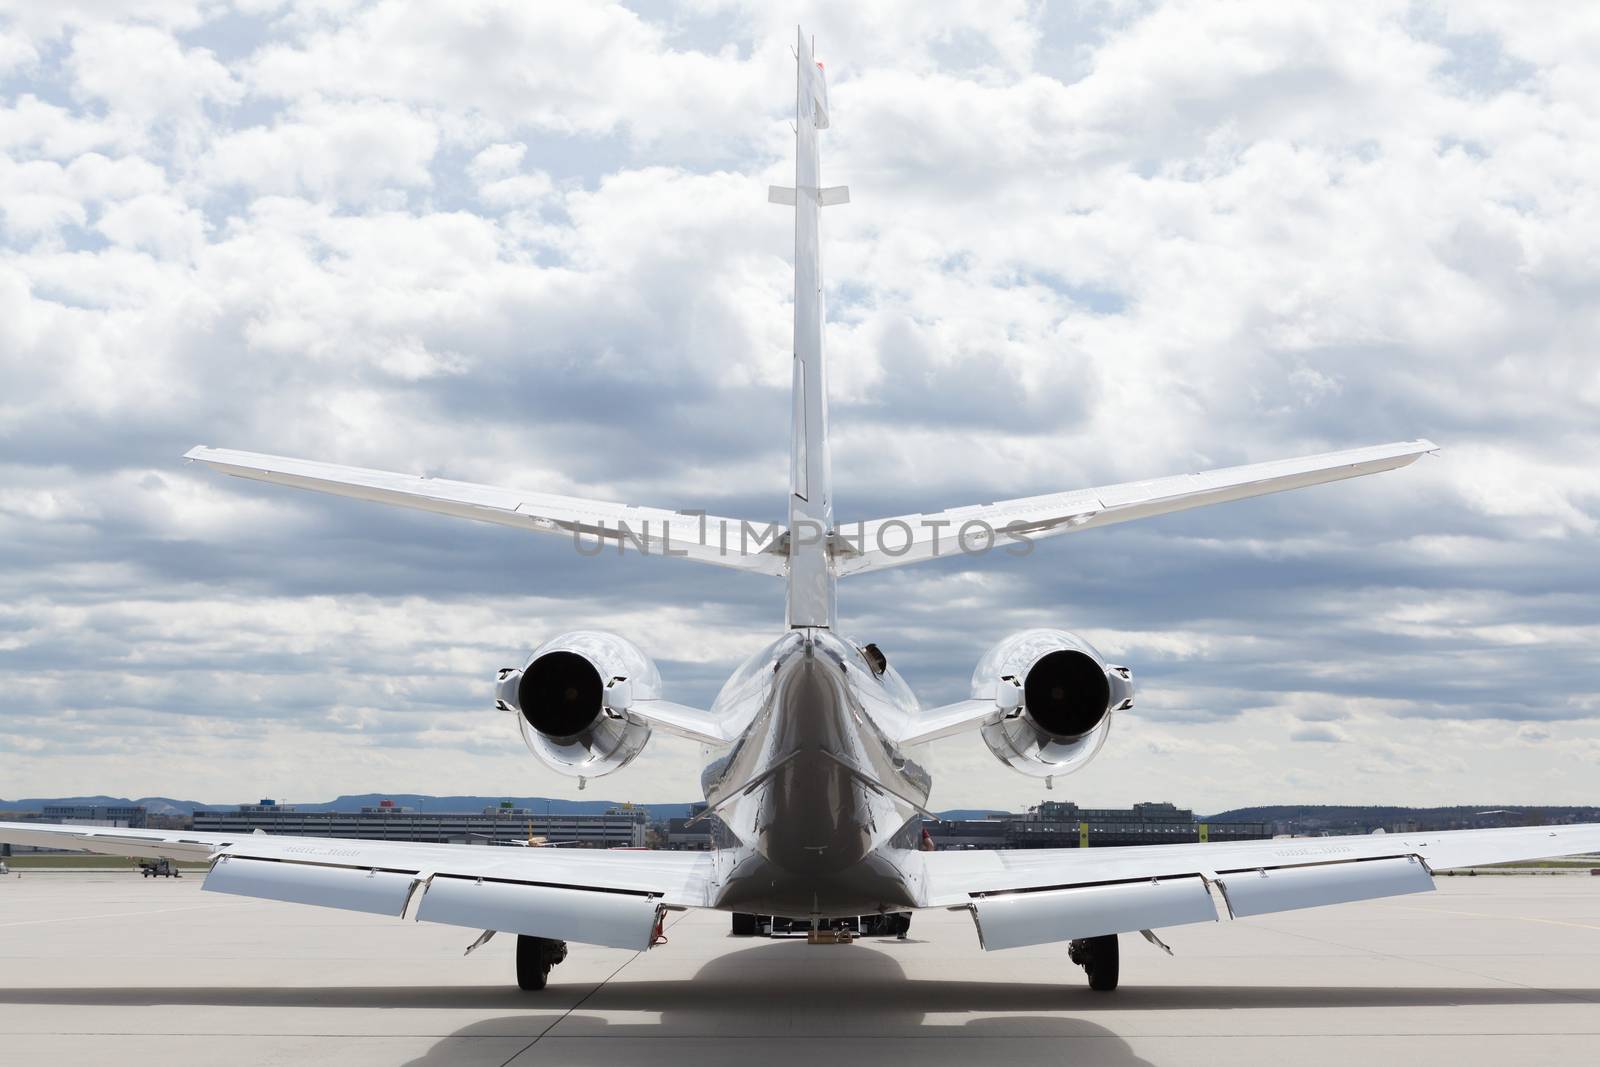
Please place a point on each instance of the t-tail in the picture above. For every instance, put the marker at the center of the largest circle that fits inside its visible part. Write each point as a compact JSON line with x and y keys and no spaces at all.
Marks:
{"x":811,"y":600}
{"x":813,"y":552}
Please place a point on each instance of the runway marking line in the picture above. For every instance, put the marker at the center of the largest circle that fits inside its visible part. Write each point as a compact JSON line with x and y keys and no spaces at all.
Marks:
{"x":1491,"y":915}
{"x":126,"y":914}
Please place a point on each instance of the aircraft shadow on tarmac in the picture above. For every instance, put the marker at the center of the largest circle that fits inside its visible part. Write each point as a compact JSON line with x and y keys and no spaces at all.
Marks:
{"x":790,"y":989}
{"x":852,"y":982}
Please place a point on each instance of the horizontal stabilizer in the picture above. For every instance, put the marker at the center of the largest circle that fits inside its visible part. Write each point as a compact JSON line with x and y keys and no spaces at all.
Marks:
{"x":1012,"y":524}
{"x":594,"y":525}
{"x":827,"y":197}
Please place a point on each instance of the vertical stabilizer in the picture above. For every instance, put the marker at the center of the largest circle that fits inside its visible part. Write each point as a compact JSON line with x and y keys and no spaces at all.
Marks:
{"x":811,"y":577}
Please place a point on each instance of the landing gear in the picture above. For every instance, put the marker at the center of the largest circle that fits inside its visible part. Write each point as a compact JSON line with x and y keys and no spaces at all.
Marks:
{"x":535,"y":957}
{"x":1099,"y":957}
{"x":744,"y":924}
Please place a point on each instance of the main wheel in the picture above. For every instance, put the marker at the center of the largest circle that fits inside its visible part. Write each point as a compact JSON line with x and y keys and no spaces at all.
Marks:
{"x":1100,"y":959}
{"x":744,"y":924}
{"x":535,"y":957}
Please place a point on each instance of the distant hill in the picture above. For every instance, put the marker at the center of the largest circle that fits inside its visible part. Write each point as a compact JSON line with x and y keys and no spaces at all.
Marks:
{"x":153,"y":805}
{"x":1314,"y":816}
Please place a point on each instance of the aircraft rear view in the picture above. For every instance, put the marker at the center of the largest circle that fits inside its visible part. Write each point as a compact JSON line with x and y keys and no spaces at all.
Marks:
{"x":814,"y":785}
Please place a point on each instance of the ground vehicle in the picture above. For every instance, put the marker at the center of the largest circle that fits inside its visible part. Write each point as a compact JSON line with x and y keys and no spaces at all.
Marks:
{"x":162,"y":868}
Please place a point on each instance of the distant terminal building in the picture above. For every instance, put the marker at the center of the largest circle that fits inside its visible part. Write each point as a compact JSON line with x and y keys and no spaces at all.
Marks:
{"x":95,"y":814}
{"x":88,"y":814}
{"x":971,"y":833}
{"x":691,"y":833}
{"x":387,"y":821}
{"x":1062,"y":824}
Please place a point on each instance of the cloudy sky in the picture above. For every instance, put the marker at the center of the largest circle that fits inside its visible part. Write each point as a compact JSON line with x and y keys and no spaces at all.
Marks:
{"x":529,"y":245}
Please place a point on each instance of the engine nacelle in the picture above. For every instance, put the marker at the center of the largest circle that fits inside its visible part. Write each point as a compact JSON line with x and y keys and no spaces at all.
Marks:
{"x":1055,"y":694}
{"x":572,"y":699}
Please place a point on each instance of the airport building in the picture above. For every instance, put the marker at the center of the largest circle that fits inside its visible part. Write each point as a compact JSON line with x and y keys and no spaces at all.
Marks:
{"x":95,"y":814}
{"x":691,"y":834}
{"x":84,"y":814}
{"x":618,"y":828}
{"x":1053,"y":824}
{"x":1063,"y":824}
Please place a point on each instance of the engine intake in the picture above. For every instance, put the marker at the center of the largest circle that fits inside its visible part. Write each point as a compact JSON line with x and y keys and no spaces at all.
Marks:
{"x":572,"y":699}
{"x":1054,"y":695}
{"x":1066,"y":693}
{"x":560,"y":694}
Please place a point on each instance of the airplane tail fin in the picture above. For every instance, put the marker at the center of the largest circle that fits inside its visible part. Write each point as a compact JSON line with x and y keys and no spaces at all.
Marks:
{"x":811,"y":573}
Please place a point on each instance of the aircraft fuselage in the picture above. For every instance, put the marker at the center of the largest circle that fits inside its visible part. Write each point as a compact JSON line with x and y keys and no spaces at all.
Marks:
{"x":814,"y":810}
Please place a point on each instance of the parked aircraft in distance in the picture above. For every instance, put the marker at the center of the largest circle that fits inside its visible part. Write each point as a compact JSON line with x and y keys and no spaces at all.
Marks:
{"x":813,"y":787}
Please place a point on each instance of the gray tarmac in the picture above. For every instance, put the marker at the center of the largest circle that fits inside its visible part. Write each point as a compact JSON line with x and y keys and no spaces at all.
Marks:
{"x":112,"y":968}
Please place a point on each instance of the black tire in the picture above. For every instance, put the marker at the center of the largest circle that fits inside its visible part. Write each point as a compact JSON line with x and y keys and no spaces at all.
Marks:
{"x":1103,"y":962}
{"x":535,"y":957}
{"x":744,"y":924}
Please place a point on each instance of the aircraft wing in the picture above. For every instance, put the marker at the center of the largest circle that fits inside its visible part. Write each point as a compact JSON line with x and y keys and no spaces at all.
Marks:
{"x":1038,"y":896}
{"x":725,"y":542}
{"x":597,"y":897}
{"x":912,"y":538}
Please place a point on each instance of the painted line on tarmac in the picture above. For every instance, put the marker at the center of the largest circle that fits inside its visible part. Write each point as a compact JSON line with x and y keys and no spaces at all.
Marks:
{"x":125,"y":914}
{"x":1491,"y":915}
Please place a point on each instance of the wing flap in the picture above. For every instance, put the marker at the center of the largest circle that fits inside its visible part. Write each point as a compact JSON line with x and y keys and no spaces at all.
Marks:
{"x":603,"y":897}
{"x":652,"y":531}
{"x":1288,"y":888}
{"x":347,"y":888}
{"x":616,"y":920}
{"x":1331,"y":863}
{"x":1012,"y":920}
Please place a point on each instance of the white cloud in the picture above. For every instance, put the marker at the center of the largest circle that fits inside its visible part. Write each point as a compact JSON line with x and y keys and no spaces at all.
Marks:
{"x":145,"y":73}
{"x":358,"y":152}
{"x":529,"y":244}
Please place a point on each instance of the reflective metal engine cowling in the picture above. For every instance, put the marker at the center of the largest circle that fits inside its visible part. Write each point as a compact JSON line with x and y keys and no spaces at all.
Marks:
{"x":1055,"y":694}
{"x":572,"y":699}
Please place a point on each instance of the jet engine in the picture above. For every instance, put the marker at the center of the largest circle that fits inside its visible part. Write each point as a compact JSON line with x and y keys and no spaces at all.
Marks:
{"x":572,"y":699}
{"x":1054,"y":695}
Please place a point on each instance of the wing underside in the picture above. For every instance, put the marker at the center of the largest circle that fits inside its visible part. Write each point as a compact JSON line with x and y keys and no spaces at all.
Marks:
{"x":1038,"y":896}
{"x":594,"y":525}
{"x":611,"y":898}
{"x":1011,"y":524}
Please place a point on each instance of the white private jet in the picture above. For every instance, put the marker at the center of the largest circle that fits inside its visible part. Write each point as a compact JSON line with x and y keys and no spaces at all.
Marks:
{"x":813,"y":793}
